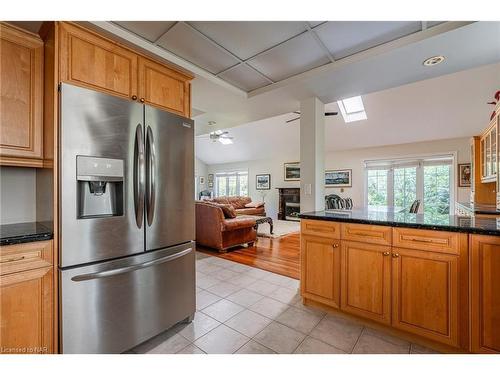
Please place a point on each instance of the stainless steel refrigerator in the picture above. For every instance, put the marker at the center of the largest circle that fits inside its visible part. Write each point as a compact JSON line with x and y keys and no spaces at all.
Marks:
{"x":127,"y":256}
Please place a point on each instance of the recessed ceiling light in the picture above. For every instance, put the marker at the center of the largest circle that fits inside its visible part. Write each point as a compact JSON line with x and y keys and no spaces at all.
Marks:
{"x":434,"y":60}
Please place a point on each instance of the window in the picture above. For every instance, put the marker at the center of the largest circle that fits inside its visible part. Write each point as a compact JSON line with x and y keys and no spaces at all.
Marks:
{"x":231,"y":183}
{"x":352,"y":109}
{"x":398,"y":183}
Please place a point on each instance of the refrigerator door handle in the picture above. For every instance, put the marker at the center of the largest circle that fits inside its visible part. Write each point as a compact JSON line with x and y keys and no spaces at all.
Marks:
{"x":136,"y":267}
{"x":151,"y":176}
{"x":139,"y":176}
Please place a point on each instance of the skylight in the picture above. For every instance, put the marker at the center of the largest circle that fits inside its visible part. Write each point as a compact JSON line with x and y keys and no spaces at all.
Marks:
{"x":352,"y":109}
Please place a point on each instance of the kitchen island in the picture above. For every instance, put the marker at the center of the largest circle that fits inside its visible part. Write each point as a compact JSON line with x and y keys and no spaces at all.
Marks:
{"x":434,"y":277}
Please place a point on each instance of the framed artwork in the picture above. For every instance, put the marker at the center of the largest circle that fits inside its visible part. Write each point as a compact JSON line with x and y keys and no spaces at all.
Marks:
{"x":210,"y":181}
{"x":464,"y":175}
{"x":338,"y":178}
{"x":263,"y":182}
{"x":292,"y":171}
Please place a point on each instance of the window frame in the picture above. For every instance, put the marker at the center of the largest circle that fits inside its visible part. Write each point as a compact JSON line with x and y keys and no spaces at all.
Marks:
{"x":227,"y":175}
{"x":419,"y":161}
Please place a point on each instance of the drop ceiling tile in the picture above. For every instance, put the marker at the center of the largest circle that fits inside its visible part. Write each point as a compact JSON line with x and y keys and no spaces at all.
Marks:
{"x":193,"y":47}
{"x":293,"y":57}
{"x":244,"y":77}
{"x":246,"y":39}
{"x":344,"y":38}
{"x":150,"y":30}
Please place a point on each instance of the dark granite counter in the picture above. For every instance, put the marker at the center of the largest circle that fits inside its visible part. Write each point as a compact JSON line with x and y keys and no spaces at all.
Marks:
{"x":25,"y":232}
{"x":450,"y":223}
{"x":478,"y":208}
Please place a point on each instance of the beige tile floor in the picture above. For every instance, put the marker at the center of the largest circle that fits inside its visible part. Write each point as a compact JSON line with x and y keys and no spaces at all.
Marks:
{"x":246,"y":310}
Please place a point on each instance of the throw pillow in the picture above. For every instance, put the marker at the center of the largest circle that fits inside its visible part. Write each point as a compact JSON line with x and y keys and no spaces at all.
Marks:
{"x":228,"y":210}
{"x":254,"y":204}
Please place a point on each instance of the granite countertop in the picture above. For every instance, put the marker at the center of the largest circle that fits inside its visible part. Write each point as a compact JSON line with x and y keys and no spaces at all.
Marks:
{"x":451,"y":223}
{"x":25,"y":232}
{"x":479,"y":208}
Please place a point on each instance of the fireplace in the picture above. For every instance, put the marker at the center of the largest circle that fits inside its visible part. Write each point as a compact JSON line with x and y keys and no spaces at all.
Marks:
{"x":289,"y":204}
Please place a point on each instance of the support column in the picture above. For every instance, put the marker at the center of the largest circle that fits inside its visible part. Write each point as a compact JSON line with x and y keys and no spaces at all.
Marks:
{"x":312,"y":155}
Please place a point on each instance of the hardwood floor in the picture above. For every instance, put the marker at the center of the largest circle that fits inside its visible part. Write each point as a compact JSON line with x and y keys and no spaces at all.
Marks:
{"x":278,"y":255}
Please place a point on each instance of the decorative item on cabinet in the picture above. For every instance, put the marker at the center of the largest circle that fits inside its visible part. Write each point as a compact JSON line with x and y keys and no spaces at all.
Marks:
{"x":21,"y":95}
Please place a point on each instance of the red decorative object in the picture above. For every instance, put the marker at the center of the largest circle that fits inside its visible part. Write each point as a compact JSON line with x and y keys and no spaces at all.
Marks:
{"x":497,"y":95}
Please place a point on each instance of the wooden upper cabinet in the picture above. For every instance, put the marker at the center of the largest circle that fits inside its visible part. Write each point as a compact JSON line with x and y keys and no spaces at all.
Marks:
{"x":366,"y":280}
{"x":489,"y":152}
{"x":425,"y":294}
{"x":320,"y":269}
{"x":92,"y":61}
{"x":163,"y":87}
{"x":485,"y":294}
{"x":89,"y":60}
{"x":21,"y":116}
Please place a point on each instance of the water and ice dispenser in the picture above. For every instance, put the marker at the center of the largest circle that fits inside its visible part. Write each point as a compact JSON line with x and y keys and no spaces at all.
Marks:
{"x":100,"y":187}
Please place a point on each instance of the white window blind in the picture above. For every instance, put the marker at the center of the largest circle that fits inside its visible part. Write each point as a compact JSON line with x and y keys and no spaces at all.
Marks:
{"x":231,"y":183}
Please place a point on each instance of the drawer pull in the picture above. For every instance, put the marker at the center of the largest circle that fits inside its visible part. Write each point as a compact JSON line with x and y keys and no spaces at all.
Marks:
{"x":426,"y":240}
{"x":395,"y":255}
{"x":335,"y":245}
{"x":13,"y":259}
{"x":386,"y":253}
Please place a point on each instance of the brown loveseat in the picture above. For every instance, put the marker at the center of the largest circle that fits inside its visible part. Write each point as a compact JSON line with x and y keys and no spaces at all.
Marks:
{"x":239,"y":203}
{"x":215,"y":231}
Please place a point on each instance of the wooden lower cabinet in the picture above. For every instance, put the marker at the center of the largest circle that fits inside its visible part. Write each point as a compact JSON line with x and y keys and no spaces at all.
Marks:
{"x":320,"y":269}
{"x":27,"y":299}
{"x":485,"y":293}
{"x":366,"y":280}
{"x":425,"y":294}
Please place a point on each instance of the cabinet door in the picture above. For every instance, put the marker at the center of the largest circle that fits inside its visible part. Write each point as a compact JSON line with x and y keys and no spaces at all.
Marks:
{"x":425,"y":294}
{"x":26,"y":302}
{"x":320,"y":269}
{"x":164,"y":87}
{"x":366,"y":280}
{"x":21,"y":99}
{"x":485,"y":294}
{"x":97,"y":63}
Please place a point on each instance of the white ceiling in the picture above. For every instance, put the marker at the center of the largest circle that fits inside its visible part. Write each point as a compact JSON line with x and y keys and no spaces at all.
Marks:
{"x":263,"y":53}
{"x":450,"y":106}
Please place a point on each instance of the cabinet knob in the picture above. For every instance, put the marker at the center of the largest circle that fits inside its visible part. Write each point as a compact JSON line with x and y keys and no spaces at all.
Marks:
{"x":386,"y":253}
{"x":141,"y":100}
{"x":395,"y":255}
{"x":335,"y":245}
{"x":134,"y":97}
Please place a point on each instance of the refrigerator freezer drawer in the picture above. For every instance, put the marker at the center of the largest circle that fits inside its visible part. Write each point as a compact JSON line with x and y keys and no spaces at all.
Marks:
{"x":113,"y":306}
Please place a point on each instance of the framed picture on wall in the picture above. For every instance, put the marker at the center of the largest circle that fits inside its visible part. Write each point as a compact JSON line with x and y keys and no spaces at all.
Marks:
{"x":210,"y":181}
{"x":263,"y":182}
{"x":338,"y":178}
{"x":464,"y":175}
{"x":292,"y":171}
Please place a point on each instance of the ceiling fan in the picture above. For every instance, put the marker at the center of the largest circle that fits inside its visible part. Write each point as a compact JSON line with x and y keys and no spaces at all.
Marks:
{"x":221,"y":136}
{"x":298,"y":113}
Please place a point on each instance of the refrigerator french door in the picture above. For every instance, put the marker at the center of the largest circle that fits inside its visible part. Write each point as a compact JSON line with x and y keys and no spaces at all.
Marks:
{"x":126,"y":254}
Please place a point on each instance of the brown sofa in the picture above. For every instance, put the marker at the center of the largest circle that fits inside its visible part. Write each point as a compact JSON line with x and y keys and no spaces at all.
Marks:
{"x":215,"y":231}
{"x":239,"y":203}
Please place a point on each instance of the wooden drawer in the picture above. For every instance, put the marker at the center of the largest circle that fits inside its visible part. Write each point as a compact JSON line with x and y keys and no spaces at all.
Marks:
{"x":26,"y":256}
{"x":374,"y":234}
{"x":430,"y":240}
{"x":321,"y":228}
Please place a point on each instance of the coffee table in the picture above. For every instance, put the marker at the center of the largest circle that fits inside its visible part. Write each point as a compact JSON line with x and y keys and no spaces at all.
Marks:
{"x":263,"y":220}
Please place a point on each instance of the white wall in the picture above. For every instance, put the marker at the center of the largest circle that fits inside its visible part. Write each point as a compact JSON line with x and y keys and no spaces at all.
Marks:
{"x":200,"y":170}
{"x":17,"y":195}
{"x":353,"y":159}
{"x":274,"y":167}
{"x":347,"y":159}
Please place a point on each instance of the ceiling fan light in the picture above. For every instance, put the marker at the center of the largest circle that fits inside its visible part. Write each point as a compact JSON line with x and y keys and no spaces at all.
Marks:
{"x":225,"y":141}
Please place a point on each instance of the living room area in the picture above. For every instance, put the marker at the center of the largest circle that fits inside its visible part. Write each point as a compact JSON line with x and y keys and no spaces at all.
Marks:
{"x":253,"y":170}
